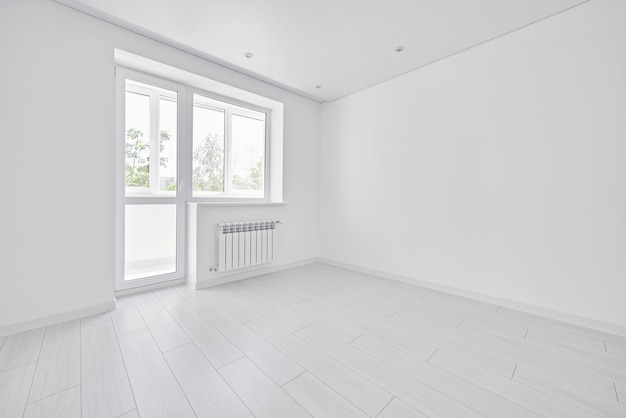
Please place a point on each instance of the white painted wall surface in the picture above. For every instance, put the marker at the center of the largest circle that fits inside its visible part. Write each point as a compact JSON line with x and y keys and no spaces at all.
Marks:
{"x":499,"y":171}
{"x":57,"y":165}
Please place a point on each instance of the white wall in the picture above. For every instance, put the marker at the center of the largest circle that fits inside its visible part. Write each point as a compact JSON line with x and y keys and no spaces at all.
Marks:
{"x":57,"y":165}
{"x":499,"y":171}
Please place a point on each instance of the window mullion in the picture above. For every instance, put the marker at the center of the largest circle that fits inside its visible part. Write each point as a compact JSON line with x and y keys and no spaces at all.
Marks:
{"x":185,"y":145}
{"x":228,"y":142}
{"x":155,"y":142}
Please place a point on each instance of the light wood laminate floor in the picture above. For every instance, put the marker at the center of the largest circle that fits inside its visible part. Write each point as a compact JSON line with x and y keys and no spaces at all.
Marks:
{"x":312,"y":341}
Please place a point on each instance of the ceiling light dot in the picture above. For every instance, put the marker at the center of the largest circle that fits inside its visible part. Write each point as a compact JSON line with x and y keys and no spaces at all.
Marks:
{"x":319,"y":86}
{"x":399,"y":48}
{"x":248,"y":55}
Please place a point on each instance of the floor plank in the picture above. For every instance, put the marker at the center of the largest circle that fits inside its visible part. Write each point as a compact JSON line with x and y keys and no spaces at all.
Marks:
{"x":327,"y":303}
{"x":241,"y":310}
{"x":569,"y":341}
{"x":620,"y":391}
{"x":198,"y":300}
{"x":95,"y":319}
{"x":20,"y":349}
{"x":363,"y":393}
{"x":475,"y":397}
{"x":156,"y":391}
{"x":14,"y":386}
{"x":209,"y":340}
{"x":126,"y":318}
{"x":495,"y":328}
{"x":208,"y":393}
{"x":492,"y":361}
{"x":615,"y":348}
{"x":268,"y":308}
{"x":106,"y":391}
{"x":319,"y":399}
{"x":409,"y":389}
{"x":555,"y":327}
{"x":400,"y":409}
{"x":402,"y":342}
{"x":167,"y":333}
{"x":130,"y":414}
{"x":570,"y":393}
{"x":259,"y":393}
{"x":58,"y":368}
{"x":459,"y":303}
{"x":530,"y":397}
{"x":169,"y":295}
{"x":396,"y":298}
{"x":335,"y":328}
{"x":62,"y":405}
{"x":526,"y":352}
{"x":268,"y":358}
{"x":544,"y":358}
{"x":600,"y":385}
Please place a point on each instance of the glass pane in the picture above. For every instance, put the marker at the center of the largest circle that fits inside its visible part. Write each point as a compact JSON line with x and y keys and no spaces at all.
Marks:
{"x":208,"y":149}
{"x":248,"y":155}
{"x":137,"y":140}
{"x":150,"y":240}
{"x":168,"y":140}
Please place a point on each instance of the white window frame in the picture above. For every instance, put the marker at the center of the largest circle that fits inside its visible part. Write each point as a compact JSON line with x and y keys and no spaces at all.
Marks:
{"x":231,"y":107}
{"x":122,"y":199}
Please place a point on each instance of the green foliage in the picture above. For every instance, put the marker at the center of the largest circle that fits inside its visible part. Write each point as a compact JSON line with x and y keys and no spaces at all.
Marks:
{"x":208,"y":164}
{"x":208,"y":167}
{"x":253,"y":179}
{"x":164,"y":136}
{"x":138,"y":159}
{"x":256,"y":176}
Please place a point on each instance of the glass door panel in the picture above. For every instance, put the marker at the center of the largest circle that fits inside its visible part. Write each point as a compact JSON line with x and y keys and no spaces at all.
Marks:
{"x":150,"y":241}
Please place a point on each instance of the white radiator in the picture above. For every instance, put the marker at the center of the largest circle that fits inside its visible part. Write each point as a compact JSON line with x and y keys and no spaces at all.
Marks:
{"x":244,"y":244}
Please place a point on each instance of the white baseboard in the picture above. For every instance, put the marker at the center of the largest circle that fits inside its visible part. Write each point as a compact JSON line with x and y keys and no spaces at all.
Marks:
{"x":571,"y":319}
{"x":155,"y":286}
{"x":223,"y":279}
{"x":55,"y":319}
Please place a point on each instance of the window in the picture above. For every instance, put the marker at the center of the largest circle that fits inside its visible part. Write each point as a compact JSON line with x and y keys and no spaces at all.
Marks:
{"x":226,"y":146}
{"x":150,"y":139}
{"x":229,"y":149}
{"x":220,"y":143}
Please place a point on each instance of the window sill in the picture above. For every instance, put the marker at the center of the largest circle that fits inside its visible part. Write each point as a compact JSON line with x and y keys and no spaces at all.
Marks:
{"x":238,"y":203}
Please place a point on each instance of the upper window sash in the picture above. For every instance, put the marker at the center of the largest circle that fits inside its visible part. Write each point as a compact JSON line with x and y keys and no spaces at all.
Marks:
{"x":158,"y":91}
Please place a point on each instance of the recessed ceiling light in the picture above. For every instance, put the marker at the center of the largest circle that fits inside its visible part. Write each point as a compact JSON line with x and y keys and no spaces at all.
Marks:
{"x":248,"y":55}
{"x":319,"y":86}
{"x":399,"y":48}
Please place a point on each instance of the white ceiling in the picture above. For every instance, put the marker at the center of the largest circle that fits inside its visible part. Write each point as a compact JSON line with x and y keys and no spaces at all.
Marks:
{"x":341,"y":45}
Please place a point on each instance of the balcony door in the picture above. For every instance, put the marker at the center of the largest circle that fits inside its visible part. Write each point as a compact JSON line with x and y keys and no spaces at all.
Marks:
{"x":150,"y":197}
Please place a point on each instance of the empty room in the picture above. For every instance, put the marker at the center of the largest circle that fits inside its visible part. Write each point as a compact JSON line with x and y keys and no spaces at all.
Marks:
{"x":313,"y":209}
